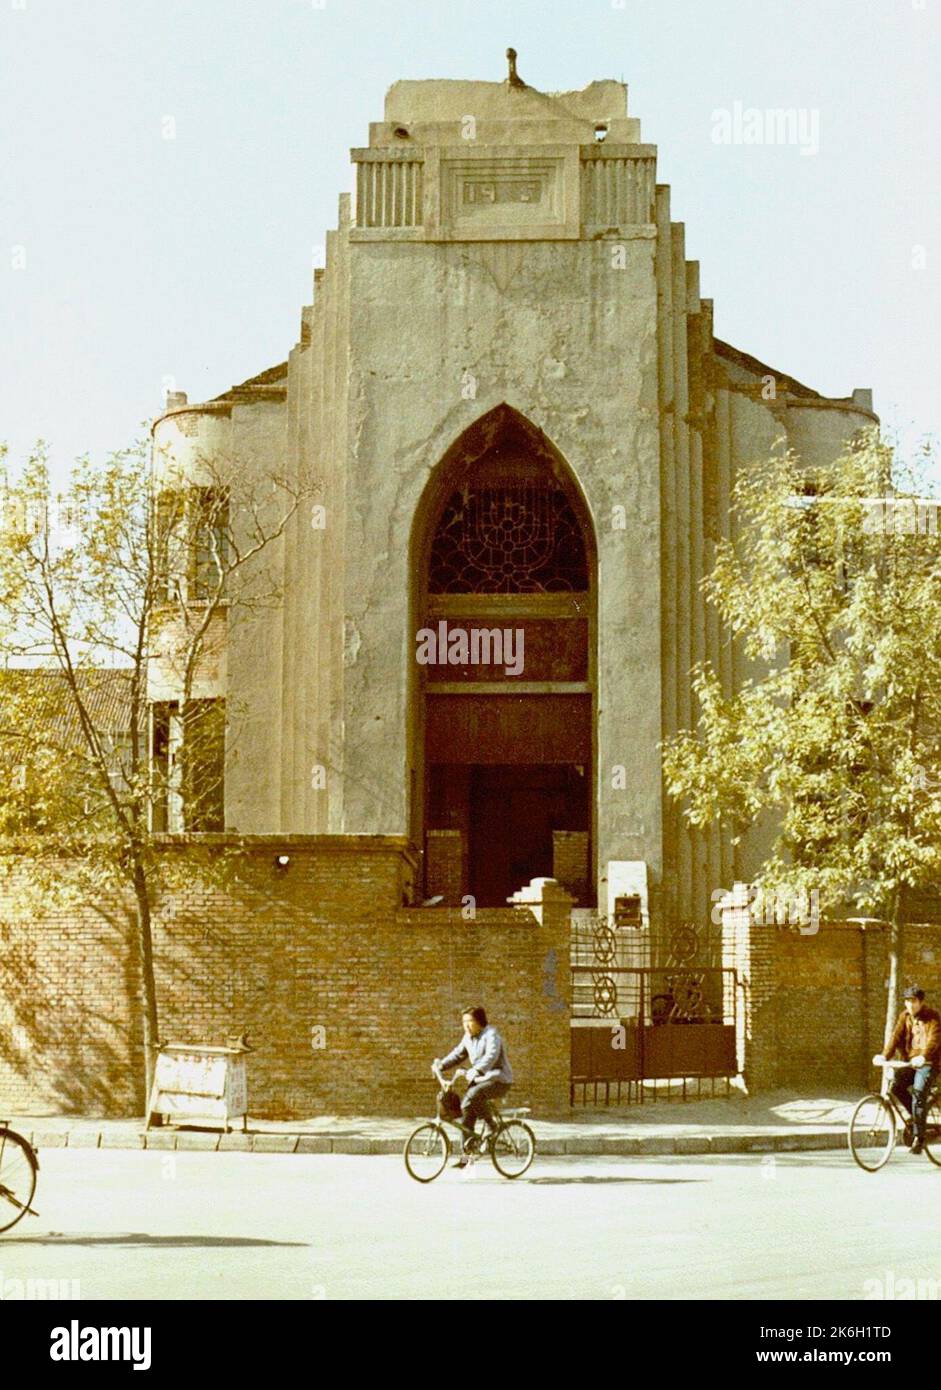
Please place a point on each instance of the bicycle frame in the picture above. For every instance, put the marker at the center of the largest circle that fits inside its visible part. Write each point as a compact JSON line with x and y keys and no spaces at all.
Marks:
{"x":495,"y":1118}
{"x":511,"y":1157}
{"x":888,"y":1073}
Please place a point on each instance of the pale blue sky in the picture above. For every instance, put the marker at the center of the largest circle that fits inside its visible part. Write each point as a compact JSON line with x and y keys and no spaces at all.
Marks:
{"x":190,"y":258}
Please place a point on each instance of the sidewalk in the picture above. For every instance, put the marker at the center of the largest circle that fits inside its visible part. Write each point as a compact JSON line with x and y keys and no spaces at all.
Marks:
{"x":777,"y":1122}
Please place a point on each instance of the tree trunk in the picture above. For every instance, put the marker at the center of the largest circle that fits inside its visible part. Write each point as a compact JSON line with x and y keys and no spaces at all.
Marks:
{"x":145,"y":948}
{"x":896,"y":962}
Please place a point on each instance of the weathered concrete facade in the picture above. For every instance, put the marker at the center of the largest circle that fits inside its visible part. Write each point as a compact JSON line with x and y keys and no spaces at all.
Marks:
{"x":509,"y":265}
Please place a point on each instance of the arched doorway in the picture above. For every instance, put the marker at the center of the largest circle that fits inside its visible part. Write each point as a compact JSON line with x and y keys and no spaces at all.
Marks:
{"x":504,"y":668}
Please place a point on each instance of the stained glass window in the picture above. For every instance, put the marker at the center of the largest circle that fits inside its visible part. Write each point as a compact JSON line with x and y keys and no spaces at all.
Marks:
{"x":516,"y":537}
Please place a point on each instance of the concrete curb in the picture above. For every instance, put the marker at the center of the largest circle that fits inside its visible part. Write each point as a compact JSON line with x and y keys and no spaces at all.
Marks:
{"x":588,"y":1145}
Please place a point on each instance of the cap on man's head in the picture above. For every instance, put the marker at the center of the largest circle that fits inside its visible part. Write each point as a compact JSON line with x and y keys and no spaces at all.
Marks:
{"x":914,"y":992}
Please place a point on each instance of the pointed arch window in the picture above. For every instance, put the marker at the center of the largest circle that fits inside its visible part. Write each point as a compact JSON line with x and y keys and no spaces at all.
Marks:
{"x":511,"y":536}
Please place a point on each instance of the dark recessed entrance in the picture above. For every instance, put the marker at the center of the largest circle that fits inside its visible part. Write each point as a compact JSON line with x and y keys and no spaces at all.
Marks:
{"x":513,"y":812}
{"x":504,"y":747}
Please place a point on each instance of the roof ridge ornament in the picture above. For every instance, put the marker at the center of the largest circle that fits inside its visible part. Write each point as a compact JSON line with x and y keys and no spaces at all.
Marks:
{"x":513,"y":77}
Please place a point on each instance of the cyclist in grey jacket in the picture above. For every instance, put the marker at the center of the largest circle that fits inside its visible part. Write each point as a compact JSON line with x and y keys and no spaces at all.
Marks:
{"x":489,"y":1076}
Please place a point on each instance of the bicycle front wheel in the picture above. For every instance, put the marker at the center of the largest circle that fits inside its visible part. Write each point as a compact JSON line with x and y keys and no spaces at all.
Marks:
{"x":933,"y":1132}
{"x":426,"y":1152}
{"x":872,"y":1133}
{"x":513,"y":1149}
{"x":17,"y":1178}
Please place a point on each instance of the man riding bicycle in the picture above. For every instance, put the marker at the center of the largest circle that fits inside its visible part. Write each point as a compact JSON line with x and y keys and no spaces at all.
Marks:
{"x":917,"y":1039}
{"x":489,"y":1077}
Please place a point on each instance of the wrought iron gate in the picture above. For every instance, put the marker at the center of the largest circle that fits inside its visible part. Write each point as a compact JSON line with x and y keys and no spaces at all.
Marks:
{"x":634,"y":1024}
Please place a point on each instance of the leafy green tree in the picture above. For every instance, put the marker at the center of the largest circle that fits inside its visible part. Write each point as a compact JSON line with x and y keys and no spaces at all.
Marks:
{"x":111,"y":587}
{"x":832,"y":586}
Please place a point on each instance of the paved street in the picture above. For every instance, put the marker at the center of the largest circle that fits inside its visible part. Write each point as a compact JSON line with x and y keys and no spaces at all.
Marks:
{"x":193,"y":1225}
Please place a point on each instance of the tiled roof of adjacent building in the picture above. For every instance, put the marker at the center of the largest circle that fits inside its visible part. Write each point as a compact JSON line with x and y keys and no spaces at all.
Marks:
{"x":272,"y":377}
{"x":44,"y":702}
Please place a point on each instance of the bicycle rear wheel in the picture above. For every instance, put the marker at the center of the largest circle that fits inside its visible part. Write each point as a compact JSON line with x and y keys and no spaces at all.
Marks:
{"x":426,"y":1152}
{"x":512,"y":1149}
{"x":17,"y":1178}
{"x":933,"y":1132}
{"x":872,"y":1133}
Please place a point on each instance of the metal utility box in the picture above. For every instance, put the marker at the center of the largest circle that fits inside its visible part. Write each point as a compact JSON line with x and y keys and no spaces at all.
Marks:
{"x":200,"y":1086}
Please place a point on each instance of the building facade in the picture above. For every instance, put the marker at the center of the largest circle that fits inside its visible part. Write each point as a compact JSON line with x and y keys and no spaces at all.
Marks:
{"x":519,"y":435}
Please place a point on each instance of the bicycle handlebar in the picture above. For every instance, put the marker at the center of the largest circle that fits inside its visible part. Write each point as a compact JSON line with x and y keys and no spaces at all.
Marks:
{"x":443,"y":1081}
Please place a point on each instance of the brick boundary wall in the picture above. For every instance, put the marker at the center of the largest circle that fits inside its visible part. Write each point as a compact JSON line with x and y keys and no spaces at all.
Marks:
{"x":325,"y":943}
{"x":811,"y":1006}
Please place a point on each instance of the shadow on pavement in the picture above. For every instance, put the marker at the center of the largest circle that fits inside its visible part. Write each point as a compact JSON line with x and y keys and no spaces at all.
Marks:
{"x":141,"y":1238}
{"x":599,"y":1178}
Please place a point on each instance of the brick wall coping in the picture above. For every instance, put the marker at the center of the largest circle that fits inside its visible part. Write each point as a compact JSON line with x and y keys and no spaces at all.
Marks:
{"x":357,"y":844}
{"x":232,"y":840}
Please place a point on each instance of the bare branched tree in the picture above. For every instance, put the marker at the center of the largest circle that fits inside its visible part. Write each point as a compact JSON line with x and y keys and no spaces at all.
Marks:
{"x":116,"y":599}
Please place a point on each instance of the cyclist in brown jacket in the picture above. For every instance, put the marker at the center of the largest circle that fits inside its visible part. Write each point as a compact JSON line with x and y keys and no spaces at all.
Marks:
{"x":917,"y":1039}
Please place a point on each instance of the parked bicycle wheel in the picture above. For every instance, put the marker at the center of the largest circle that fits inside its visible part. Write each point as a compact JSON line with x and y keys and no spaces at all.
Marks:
{"x":872,"y":1133}
{"x":426,"y":1152}
{"x":17,"y":1178}
{"x":933,"y":1132}
{"x":513,"y":1148}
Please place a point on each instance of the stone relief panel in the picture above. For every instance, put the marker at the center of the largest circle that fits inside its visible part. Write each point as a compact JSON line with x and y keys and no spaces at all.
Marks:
{"x":482,"y":195}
